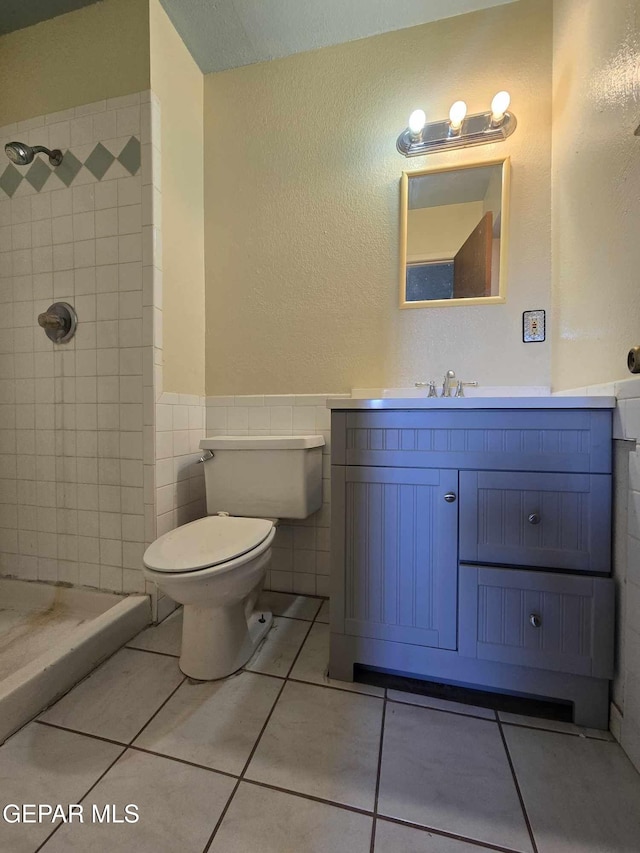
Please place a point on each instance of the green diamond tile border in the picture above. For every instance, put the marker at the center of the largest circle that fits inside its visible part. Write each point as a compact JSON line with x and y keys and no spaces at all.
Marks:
{"x":69,"y":168}
{"x":99,"y":161}
{"x":10,"y":180}
{"x":38,"y":174}
{"x":130,"y":156}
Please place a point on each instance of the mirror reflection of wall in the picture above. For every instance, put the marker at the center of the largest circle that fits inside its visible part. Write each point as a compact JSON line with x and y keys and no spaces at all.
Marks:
{"x":453,"y":230}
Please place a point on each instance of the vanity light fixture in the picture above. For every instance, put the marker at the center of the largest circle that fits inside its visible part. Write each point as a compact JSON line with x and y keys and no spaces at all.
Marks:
{"x":460,"y":130}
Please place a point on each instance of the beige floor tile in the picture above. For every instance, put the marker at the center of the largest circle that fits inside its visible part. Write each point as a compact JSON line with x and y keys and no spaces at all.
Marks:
{"x":554,"y":726}
{"x":119,"y":697}
{"x":216,"y":723}
{"x":279,"y":648}
{"x":321,"y":742}
{"x":273,"y":822}
{"x":178,"y":807}
{"x":165,"y":637}
{"x":582,"y":795}
{"x":324,"y":612}
{"x":393,"y":838}
{"x":451,"y":773}
{"x":293,"y":606}
{"x":313,"y":664}
{"x":440,"y":704}
{"x":41,"y":764}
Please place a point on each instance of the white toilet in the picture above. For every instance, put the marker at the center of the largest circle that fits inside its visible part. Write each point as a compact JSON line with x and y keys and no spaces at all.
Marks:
{"x":215,"y":566}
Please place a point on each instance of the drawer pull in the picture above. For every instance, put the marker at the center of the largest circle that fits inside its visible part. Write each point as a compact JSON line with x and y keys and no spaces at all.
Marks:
{"x":450,"y":497}
{"x":534,"y":518}
{"x":535,"y":620}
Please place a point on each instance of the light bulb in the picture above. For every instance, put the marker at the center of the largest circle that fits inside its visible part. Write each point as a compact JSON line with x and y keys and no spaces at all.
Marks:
{"x":456,"y":115}
{"x":499,"y":106}
{"x":417,"y":121}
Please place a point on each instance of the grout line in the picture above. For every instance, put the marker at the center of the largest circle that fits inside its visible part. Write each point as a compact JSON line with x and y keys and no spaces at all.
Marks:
{"x":301,"y":795}
{"x":378,"y":773}
{"x":79,"y":732}
{"x":183,"y":761}
{"x":485,"y":845}
{"x":152,"y":652}
{"x":339,"y":689}
{"x":157,"y":711}
{"x":255,"y":746}
{"x":556,"y":731}
{"x":517,"y":786}
{"x":244,"y":770}
{"x":102,"y":775}
{"x":299,"y":652}
{"x":86,"y":794}
{"x":443,"y":710}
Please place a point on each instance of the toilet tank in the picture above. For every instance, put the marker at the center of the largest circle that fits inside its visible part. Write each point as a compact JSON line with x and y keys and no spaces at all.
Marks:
{"x":264,"y":476}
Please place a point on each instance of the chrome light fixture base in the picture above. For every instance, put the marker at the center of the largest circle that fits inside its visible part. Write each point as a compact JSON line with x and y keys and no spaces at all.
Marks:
{"x":477,"y":129}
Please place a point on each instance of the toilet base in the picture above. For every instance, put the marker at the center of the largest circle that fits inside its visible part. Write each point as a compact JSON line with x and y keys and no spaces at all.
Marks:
{"x":216,"y":642}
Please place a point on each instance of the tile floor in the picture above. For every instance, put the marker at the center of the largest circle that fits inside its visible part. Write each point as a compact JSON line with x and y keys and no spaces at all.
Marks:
{"x":281,"y":759}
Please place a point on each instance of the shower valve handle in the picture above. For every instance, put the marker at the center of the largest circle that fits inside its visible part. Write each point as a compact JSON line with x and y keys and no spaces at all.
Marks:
{"x":50,"y":321}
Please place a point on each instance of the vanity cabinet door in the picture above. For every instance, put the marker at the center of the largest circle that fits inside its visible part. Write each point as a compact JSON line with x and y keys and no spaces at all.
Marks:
{"x":395,"y":557}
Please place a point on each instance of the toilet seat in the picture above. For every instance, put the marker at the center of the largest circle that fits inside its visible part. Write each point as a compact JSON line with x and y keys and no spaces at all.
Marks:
{"x":208,"y":543}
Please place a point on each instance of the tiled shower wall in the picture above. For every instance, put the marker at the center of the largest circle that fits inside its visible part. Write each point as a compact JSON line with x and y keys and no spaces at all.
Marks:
{"x":72,"y":501}
{"x":300,"y":561}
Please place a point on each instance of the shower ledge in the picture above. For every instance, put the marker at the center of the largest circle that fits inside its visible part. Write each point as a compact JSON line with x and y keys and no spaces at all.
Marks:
{"x":104,"y":622}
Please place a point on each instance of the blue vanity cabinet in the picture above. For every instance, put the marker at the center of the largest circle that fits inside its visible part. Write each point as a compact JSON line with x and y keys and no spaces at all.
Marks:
{"x":474,"y":548}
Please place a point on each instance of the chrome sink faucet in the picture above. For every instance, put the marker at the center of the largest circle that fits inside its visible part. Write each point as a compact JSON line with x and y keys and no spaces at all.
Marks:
{"x":451,"y":387}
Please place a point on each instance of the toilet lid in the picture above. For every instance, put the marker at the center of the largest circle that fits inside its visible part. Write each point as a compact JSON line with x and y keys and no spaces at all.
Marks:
{"x":206,"y":542}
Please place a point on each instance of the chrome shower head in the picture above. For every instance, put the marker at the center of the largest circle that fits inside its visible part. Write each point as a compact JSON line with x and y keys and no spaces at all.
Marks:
{"x":21,"y":154}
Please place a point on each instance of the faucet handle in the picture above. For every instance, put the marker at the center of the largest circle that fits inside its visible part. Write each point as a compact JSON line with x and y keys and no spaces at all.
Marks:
{"x":431,"y":384}
{"x":461,"y":387}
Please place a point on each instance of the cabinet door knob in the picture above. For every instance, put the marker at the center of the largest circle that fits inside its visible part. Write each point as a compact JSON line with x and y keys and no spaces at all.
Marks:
{"x":534,"y":518}
{"x":535,"y":620}
{"x":450,"y":497}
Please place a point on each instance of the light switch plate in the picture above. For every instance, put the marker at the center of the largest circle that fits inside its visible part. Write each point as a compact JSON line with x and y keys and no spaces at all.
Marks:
{"x":533,"y":326}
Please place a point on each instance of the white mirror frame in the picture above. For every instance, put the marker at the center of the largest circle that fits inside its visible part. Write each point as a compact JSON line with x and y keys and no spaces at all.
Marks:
{"x":505,"y":162}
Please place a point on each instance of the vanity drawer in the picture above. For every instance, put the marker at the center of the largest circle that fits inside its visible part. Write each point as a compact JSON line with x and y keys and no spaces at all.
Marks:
{"x":559,"y":521}
{"x":474,"y":439}
{"x":537,"y":619}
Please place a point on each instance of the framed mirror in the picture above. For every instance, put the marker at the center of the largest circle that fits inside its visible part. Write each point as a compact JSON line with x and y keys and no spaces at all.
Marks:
{"x":454,"y":233}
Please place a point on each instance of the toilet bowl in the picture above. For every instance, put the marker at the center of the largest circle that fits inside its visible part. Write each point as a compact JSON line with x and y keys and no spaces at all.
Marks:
{"x":215,"y":567}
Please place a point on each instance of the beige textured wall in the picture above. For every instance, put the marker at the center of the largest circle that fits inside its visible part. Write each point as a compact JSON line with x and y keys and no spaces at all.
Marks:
{"x":178,"y":83}
{"x":302,"y":197}
{"x":596,"y":189}
{"x":101,"y":51}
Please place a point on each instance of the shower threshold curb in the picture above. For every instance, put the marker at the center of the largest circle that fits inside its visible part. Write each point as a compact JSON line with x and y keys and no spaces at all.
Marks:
{"x":29,"y":690}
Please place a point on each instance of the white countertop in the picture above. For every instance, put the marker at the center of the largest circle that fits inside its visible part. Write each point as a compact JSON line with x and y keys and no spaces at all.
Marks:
{"x":550,"y":402}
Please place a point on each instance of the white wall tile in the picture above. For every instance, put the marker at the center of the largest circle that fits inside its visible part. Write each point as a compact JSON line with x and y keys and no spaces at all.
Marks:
{"x":80,"y":470}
